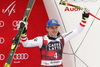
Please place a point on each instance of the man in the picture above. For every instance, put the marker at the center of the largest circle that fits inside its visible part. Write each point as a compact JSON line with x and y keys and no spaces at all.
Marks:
{"x":51,"y":45}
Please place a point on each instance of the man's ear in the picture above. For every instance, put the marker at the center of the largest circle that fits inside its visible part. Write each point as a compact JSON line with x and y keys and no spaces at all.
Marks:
{"x":47,"y":29}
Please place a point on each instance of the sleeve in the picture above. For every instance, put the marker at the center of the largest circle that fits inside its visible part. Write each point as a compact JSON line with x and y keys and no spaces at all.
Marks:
{"x":72,"y":34}
{"x":38,"y":41}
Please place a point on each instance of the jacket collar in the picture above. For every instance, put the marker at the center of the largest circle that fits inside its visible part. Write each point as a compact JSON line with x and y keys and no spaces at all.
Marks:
{"x":53,"y":38}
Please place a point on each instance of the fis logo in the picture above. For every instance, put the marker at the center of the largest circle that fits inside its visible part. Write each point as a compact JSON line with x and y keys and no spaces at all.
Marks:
{"x":10,"y":9}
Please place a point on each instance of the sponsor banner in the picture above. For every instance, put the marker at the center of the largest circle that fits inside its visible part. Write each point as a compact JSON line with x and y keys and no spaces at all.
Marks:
{"x":11,"y":13}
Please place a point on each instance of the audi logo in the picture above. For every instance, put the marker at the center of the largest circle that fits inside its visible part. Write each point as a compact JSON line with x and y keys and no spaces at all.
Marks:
{"x":1,"y":23}
{"x":2,"y":40}
{"x":20,"y":56}
{"x":2,"y":56}
{"x":15,"y":24}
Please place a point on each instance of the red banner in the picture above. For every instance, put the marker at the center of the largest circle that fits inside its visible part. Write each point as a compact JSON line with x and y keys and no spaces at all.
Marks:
{"x":11,"y":12}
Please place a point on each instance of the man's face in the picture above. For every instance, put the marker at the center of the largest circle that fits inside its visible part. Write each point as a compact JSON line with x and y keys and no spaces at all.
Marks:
{"x":53,"y":30}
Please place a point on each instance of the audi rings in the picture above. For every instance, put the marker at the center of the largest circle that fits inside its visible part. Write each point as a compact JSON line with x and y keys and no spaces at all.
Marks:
{"x":2,"y":23}
{"x":20,"y":56}
{"x":2,"y":56}
{"x":2,"y":40}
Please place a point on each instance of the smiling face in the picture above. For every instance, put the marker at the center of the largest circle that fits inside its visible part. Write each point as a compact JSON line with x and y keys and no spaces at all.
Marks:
{"x":53,"y":30}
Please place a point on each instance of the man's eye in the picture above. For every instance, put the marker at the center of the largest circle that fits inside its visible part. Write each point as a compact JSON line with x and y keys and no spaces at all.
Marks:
{"x":51,"y":27}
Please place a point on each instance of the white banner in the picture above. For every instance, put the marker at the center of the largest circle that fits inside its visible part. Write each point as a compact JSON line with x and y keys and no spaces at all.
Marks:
{"x":83,"y":50}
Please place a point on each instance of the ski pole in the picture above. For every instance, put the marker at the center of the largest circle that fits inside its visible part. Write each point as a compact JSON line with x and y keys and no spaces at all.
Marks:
{"x":78,"y":7}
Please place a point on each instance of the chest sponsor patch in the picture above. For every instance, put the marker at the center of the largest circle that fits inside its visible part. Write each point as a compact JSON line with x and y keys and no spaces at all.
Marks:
{"x":54,"y":45}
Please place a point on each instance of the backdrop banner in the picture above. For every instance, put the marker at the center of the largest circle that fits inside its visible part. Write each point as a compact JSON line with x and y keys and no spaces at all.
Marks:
{"x":11,"y":12}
